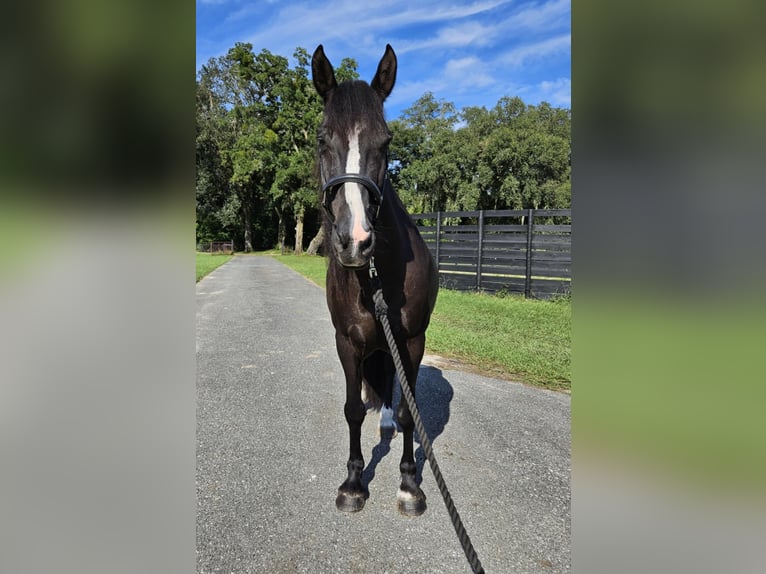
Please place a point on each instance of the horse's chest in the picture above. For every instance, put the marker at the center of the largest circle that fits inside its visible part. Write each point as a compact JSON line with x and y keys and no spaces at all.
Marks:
{"x":354,"y":319}
{"x":353,"y":312}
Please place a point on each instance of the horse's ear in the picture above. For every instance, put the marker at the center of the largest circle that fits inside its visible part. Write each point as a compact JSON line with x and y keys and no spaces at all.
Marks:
{"x":322,"y":73}
{"x":385,"y":77}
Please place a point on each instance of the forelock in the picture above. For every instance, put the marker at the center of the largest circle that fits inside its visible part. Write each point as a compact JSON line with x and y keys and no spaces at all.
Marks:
{"x":351,"y":101}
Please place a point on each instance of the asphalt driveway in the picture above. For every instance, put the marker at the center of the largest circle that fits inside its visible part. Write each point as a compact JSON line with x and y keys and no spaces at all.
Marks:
{"x":272,"y":445}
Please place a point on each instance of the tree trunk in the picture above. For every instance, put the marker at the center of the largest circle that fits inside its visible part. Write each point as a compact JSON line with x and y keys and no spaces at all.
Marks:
{"x":248,"y":232}
{"x":281,"y":231}
{"x":299,"y":234}
{"x":316,"y":243}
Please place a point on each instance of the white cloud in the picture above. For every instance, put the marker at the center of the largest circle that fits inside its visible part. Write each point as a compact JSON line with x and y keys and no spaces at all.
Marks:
{"x":541,"y":17}
{"x":437,"y":11}
{"x":542,"y":49}
{"x":296,"y":23}
{"x":537,"y":18}
{"x":469,"y":72}
{"x":557,"y":92}
{"x":471,"y":34}
{"x":470,"y":53}
{"x":405,"y":93}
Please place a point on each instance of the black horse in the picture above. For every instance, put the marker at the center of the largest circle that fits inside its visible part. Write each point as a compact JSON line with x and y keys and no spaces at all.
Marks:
{"x":365,"y":220}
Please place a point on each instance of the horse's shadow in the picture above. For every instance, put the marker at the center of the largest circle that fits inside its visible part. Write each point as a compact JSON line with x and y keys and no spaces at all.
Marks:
{"x":433,"y":394}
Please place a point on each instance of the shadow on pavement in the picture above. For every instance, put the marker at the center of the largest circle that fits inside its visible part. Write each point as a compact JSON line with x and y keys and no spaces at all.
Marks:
{"x":433,"y":394}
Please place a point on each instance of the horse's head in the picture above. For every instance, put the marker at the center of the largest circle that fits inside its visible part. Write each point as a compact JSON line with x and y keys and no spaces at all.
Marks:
{"x":353,"y":144}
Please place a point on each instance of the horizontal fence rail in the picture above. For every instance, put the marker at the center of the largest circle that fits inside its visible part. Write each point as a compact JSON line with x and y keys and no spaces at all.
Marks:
{"x":225,"y":247}
{"x":525,"y":251}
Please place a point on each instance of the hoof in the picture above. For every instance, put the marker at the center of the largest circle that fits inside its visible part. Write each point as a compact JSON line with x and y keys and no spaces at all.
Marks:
{"x":410,"y":504}
{"x":350,"y":502}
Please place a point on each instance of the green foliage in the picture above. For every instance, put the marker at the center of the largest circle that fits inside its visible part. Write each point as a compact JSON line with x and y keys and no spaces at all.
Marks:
{"x":256,"y":120}
{"x":511,"y":157}
{"x":256,"y":128}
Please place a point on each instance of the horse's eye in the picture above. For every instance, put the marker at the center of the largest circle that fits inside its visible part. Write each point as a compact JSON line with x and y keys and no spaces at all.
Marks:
{"x":323,"y":136}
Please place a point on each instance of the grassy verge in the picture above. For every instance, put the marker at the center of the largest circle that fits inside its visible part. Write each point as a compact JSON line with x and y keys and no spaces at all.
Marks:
{"x":207,"y":262}
{"x":510,"y":337}
{"x":311,"y":267}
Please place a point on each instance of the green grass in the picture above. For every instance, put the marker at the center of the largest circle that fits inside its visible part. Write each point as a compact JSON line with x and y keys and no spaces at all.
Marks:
{"x":207,"y":262}
{"x":523,"y":339}
{"x":311,"y":267}
{"x":510,"y":337}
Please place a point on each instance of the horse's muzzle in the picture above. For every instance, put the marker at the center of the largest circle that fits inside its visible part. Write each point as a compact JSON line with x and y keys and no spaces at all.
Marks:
{"x":353,"y":243}
{"x":350,"y":252}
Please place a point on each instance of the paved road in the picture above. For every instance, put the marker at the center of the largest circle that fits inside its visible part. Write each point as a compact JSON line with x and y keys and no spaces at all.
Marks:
{"x":272,"y":445}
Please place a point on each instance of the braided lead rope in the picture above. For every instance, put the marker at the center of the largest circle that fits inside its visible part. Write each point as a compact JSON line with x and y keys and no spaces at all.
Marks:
{"x":381,"y":312}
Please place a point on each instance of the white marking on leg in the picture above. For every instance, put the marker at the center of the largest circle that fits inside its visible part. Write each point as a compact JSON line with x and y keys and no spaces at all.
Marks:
{"x":387,"y":427}
{"x":404,"y":495}
{"x":366,"y":393}
{"x":359,"y":226}
{"x":386,"y":417}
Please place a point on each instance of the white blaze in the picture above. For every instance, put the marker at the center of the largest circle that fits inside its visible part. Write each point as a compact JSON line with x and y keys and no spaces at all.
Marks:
{"x":354,"y":191}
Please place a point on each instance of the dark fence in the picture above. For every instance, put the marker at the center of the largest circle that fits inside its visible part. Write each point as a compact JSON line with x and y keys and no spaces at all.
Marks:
{"x":225,"y":247}
{"x":515,"y":251}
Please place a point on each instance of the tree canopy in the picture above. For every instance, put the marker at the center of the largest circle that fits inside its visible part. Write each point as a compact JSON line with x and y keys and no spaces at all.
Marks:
{"x":255,"y":151}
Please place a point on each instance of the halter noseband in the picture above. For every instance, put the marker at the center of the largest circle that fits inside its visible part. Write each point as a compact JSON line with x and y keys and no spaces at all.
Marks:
{"x":334,"y":183}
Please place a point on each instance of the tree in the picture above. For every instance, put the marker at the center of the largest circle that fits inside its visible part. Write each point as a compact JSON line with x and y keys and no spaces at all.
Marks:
{"x":257,"y":120}
{"x":256,"y":150}
{"x":527,"y":156}
{"x":422,"y":173}
{"x":216,"y":210}
{"x":296,"y":123}
{"x":511,"y":157}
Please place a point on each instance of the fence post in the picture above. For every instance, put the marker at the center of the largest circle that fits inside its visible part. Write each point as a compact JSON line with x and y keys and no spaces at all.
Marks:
{"x":481,"y":249}
{"x":438,"y":236}
{"x":528,"y":277}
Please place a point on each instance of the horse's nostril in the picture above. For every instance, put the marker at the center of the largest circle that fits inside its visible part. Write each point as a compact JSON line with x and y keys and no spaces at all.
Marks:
{"x":342,"y":240}
{"x":366,"y":245}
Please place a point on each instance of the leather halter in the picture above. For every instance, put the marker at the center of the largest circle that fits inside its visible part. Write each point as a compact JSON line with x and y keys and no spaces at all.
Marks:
{"x":330,"y":188}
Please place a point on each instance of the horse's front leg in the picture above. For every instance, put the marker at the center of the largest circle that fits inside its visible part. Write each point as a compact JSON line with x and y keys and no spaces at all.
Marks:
{"x":411,"y":500}
{"x":352,"y":494}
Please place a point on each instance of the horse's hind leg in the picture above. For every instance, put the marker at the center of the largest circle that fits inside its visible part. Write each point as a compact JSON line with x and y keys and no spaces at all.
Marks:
{"x":387,"y":424}
{"x":410,"y":499}
{"x":352,"y":494}
{"x":379,"y":375}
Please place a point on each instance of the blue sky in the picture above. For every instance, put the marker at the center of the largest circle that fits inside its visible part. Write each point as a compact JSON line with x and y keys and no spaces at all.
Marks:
{"x":470,"y":53}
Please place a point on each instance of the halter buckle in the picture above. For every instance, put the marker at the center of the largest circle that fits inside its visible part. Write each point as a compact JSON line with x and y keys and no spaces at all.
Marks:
{"x":373,"y":270}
